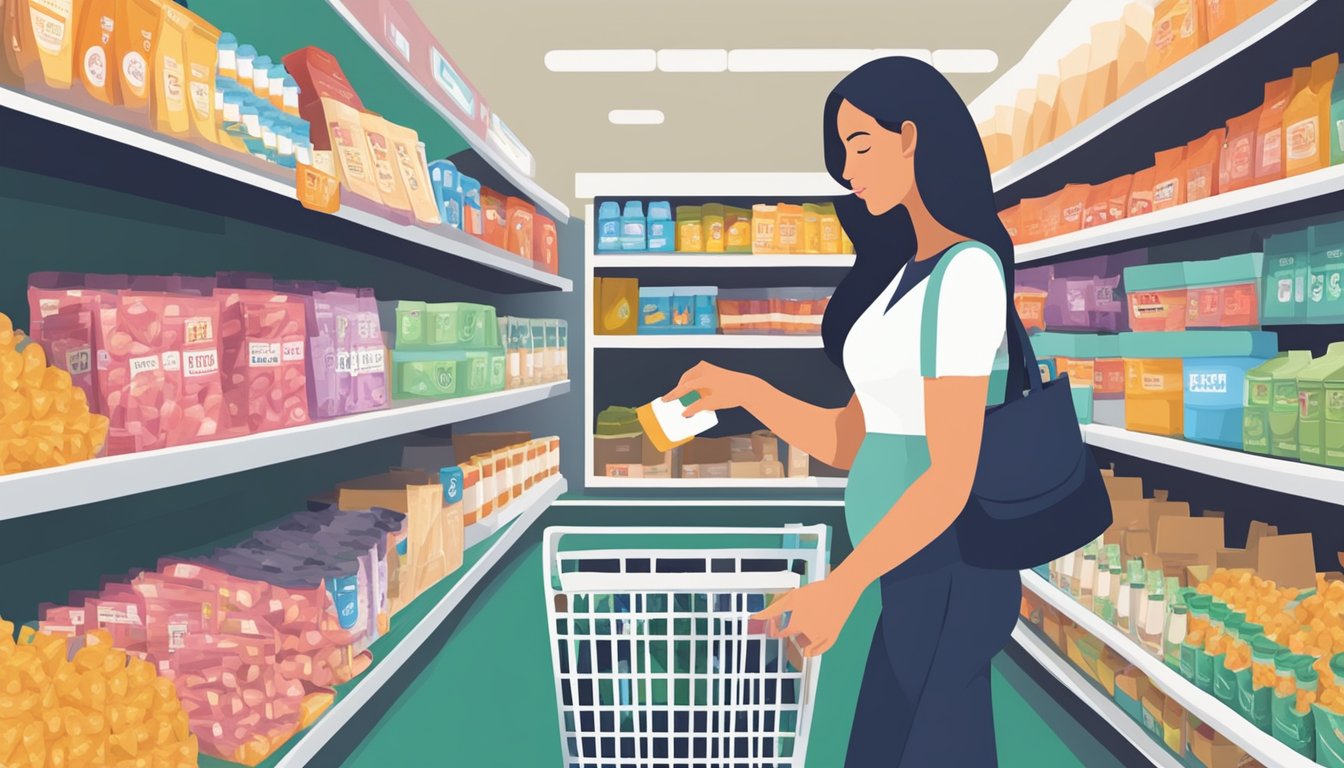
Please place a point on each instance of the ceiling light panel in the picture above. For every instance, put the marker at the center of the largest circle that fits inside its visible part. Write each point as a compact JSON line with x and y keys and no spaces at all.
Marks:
{"x":961,"y":61}
{"x":812,"y":59}
{"x":615,"y":60}
{"x":635,"y":116}
{"x":692,"y":59}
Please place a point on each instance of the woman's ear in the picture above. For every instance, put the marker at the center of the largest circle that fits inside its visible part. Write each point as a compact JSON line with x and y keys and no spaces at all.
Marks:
{"x":909,"y":138}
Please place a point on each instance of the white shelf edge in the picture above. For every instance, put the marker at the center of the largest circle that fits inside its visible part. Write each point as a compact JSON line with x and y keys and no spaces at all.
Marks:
{"x":1194,"y":65}
{"x":111,"y":477}
{"x":1281,"y":475}
{"x":674,"y":504}
{"x":718,"y":261}
{"x":707,"y":341}
{"x":1219,"y":207}
{"x":526,"y":184}
{"x":720,"y":482}
{"x":443,"y":239}
{"x":588,"y":186}
{"x":1079,"y":685}
{"x":1221,"y":718}
{"x":529,"y":509}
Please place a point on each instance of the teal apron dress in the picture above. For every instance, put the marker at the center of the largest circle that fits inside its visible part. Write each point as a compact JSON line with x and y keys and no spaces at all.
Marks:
{"x":925,"y":695}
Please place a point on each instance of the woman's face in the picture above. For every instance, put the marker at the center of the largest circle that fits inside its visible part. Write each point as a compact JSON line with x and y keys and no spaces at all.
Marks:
{"x":879,"y":164}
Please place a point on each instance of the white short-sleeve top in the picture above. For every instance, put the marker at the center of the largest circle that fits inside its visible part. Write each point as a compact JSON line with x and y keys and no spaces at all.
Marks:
{"x":882,"y":351}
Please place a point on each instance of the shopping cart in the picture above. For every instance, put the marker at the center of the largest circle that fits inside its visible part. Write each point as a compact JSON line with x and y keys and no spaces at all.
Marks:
{"x":657,"y":662}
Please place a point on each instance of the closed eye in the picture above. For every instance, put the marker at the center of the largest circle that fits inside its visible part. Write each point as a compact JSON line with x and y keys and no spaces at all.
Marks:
{"x":863,"y":151}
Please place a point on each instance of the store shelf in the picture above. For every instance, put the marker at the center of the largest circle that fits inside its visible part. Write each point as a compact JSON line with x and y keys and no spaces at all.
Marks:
{"x":642,"y":483}
{"x":525,"y":184}
{"x":1218,"y":716}
{"x":718,"y":261}
{"x":442,"y":250}
{"x":1087,"y":692}
{"x":1161,"y":85}
{"x":1225,"y":208}
{"x":410,"y":629}
{"x":707,"y":341}
{"x":85,"y":482}
{"x":1305,"y":480}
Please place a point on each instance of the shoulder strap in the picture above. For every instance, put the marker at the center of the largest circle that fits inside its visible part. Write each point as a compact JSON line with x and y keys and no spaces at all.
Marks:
{"x":928,"y":327}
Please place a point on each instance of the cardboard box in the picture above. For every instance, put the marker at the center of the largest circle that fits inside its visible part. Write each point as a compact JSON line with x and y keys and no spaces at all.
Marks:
{"x":667,"y":466}
{"x":1288,"y":561}
{"x":707,"y":450}
{"x":477,"y":443}
{"x":716,"y":470}
{"x":765,"y":445}
{"x":1123,"y":488}
{"x":1083,"y":650}
{"x":1136,"y":542}
{"x":739,"y":448}
{"x":799,"y":462}
{"x":620,"y":450}
{"x":1160,"y":507}
{"x":1237,"y":559}
{"x":1212,"y":750}
{"x":624,"y":470}
{"x":1197,"y":574}
{"x":1127,"y":692}
{"x":1109,"y":666}
{"x":772,"y":469}
{"x":1153,"y":700}
{"x":428,"y":453}
{"x":1198,"y":537}
{"x":745,"y":469}
{"x":650,"y":454}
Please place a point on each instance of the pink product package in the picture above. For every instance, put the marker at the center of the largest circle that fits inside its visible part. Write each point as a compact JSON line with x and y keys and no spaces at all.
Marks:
{"x":329,"y":384}
{"x":234,"y":351}
{"x":276,"y":372}
{"x":68,"y":342}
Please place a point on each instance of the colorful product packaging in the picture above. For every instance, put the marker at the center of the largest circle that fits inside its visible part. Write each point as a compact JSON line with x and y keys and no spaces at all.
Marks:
{"x":1325,"y":293}
{"x":494,"y":213}
{"x":1257,"y":431}
{"x":1286,"y":271}
{"x":1224,"y":293}
{"x":1269,"y":147}
{"x":1321,"y":420}
{"x":1215,"y":399}
{"x":1156,"y":296}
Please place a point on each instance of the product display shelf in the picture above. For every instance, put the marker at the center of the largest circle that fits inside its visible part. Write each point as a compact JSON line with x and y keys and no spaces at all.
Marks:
{"x":1154,"y":89}
{"x":707,"y":341}
{"x":1282,"y":475}
{"x":642,"y":483}
{"x":43,"y":490}
{"x":488,"y":541}
{"x":1218,"y":716}
{"x":637,"y":260}
{"x":1224,"y":209}
{"x":1079,"y":685}
{"x":525,"y":184}
{"x":502,"y":270}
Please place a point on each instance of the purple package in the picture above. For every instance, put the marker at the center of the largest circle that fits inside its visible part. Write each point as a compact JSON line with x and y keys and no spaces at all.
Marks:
{"x":1035,"y":278}
{"x":329,"y":349}
{"x":1067,"y":303}
{"x":368,"y":371}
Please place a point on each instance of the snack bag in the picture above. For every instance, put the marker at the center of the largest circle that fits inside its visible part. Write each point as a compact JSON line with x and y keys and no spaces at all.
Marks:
{"x":196,"y":416}
{"x":1236,"y":163}
{"x":1307,"y":118}
{"x":1202,"y":166}
{"x":96,"y":52}
{"x":169,"y":111}
{"x":277,"y":387}
{"x":1141,"y":193}
{"x":386,"y":175}
{"x":1168,"y":178}
{"x":1269,"y":133}
{"x":1178,"y":29}
{"x":368,"y":355}
{"x":135,"y":32}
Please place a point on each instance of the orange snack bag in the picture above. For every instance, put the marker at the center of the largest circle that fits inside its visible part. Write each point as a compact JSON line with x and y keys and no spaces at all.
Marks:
{"x":1269,"y":133}
{"x":136,"y":31}
{"x":169,"y":103}
{"x":1011,"y":218}
{"x":1178,"y":29}
{"x":1029,"y":219}
{"x":1072,"y":201}
{"x":386,"y":174}
{"x":202,"y":42}
{"x":317,"y":189}
{"x":1306,"y":120}
{"x":1236,"y":163}
{"x":1168,"y":178}
{"x":495,"y":211}
{"x":1102,"y":68}
{"x":1201,"y":165}
{"x":1051,"y":213}
{"x":1141,"y":193}
{"x":53,"y":32}
{"x":96,"y":52}
{"x":1221,"y":16}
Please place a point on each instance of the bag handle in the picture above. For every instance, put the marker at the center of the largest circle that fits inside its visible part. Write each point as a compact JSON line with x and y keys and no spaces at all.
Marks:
{"x":1019,"y":343}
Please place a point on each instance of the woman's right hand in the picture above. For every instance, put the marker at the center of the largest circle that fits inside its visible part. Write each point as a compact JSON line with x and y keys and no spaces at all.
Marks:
{"x":719,"y":388}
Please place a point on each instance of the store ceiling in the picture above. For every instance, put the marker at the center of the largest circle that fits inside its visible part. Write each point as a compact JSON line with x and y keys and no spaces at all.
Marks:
{"x":725,"y":121}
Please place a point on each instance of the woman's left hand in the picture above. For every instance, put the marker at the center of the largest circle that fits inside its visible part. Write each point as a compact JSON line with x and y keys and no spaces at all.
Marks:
{"x":817,"y":613}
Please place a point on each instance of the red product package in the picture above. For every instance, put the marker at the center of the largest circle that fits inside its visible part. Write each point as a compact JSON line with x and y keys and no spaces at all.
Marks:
{"x":198,"y":414}
{"x":68,"y":341}
{"x":121,"y":612}
{"x":520,"y":217}
{"x":133,"y":380}
{"x":276,"y":373}
{"x":495,"y":212}
{"x":546,"y":249}
{"x":62,"y":619}
{"x":235,"y":352}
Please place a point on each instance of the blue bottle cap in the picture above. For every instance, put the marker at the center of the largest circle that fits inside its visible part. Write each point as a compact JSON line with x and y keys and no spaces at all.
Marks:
{"x":262,"y":62}
{"x":246,"y":49}
{"x":227,"y":40}
{"x":609,"y":210}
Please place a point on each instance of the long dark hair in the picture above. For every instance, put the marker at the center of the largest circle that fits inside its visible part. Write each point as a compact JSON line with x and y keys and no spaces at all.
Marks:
{"x":951,"y":173}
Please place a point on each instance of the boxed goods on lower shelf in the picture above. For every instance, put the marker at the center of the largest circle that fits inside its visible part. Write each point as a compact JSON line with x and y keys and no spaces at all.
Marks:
{"x":622,"y":307}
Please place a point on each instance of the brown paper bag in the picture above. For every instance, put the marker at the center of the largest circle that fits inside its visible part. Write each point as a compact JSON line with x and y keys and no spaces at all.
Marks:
{"x":1102,"y":68}
{"x":1073,"y":71}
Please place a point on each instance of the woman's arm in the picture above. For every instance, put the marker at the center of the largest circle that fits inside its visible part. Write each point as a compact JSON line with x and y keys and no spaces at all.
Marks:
{"x":955,"y":415}
{"x":832,"y":435}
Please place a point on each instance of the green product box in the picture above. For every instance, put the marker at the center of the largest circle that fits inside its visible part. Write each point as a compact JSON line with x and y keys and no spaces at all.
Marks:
{"x":1325,"y":292}
{"x":1285,"y":409}
{"x":1297,"y":731}
{"x":410,"y":324}
{"x":1321,"y":409}
{"x":1285,"y":278}
{"x":460,"y":324}
{"x":1255,"y":429}
{"x":498,"y":375}
{"x":426,"y":378}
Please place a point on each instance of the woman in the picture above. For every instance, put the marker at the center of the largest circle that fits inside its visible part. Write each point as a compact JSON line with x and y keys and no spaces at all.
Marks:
{"x":899,"y":136}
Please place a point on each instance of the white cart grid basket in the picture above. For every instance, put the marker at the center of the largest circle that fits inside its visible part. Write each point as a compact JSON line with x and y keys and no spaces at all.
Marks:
{"x":656,"y":660}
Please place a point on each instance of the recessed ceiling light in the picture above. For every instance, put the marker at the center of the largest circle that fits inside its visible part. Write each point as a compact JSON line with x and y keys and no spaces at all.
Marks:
{"x":812,"y":59}
{"x":617,"y":60}
{"x":966,"y":60}
{"x":635,"y":116}
{"x":692,"y":60}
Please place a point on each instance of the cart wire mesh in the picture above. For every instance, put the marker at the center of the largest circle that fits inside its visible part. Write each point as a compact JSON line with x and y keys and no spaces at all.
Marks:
{"x":657,"y":662}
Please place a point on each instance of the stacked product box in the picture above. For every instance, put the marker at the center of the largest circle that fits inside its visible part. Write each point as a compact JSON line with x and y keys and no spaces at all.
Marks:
{"x":446,"y":350}
{"x":784,"y":228}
